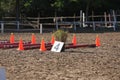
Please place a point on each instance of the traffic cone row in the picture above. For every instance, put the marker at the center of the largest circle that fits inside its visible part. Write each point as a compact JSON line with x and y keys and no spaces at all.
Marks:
{"x":33,"y":41}
{"x":42,"y":45}
{"x":97,"y":41}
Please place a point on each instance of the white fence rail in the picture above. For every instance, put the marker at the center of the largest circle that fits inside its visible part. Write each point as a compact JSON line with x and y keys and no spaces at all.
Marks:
{"x":17,"y":24}
{"x":106,"y":20}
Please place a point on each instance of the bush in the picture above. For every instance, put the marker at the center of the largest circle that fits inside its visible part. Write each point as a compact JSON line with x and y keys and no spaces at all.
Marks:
{"x":60,"y":35}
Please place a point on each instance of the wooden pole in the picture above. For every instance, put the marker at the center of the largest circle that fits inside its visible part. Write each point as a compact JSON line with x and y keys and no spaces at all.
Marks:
{"x":109,"y":19}
{"x":74,"y":23}
{"x":2,"y":27}
{"x":93,"y":25}
{"x":83,"y":19}
{"x":80,"y":17}
{"x":38,"y":20}
{"x":92,"y":15}
{"x":56,"y":23}
{"x":114,"y":23}
{"x":105,"y":19}
{"x":17,"y":12}
{"x":41,"y":29}
{"x":93,"y":21}
{"x":18,"y":25}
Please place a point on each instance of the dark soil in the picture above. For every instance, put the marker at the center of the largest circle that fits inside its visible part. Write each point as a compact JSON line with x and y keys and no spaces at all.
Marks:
{"x":100,"y":63}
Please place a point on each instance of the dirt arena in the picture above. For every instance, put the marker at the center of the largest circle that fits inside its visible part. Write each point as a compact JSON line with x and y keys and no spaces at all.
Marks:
{"x":100,"y":63}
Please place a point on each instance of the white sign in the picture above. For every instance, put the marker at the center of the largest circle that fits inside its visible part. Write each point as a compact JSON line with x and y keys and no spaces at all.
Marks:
{"x":57,"y":46}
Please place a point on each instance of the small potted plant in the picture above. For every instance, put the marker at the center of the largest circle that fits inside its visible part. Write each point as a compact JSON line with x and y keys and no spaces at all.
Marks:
{"x":61,"y":35}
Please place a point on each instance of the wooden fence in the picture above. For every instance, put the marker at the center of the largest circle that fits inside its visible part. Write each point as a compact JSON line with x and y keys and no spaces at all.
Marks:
{"x":106,"y":20}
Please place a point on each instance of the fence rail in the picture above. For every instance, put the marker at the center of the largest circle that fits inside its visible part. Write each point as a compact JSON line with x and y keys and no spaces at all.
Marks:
{"x":106,"y":19}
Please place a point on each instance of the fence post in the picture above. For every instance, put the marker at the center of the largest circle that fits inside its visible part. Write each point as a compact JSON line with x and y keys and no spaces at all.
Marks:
{"x":74,"y":23}
{"x":80,"y":17}
{"x":109,"y":20}
{"x":93,"y":25}
{"x":18,"y":27}
{"x":105,"y":15}
{"x":56,"y":23}
{"x":74,"y":27}
{"x":83,"y":19}
{"x":114,"y":23}
{"x":41,"y":28}
{"x":2,"y":27}
{"x":38,"y":20}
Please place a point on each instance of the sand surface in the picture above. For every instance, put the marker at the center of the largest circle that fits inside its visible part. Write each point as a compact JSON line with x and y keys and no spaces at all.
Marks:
{"x":100,"y":63}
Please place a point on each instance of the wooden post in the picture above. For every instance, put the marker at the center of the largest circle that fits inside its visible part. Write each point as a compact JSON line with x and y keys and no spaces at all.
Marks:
{"x":93,"y":25}
{"x":38,"y":20}
{"x":41,"y":29}
{"x":2,"y":27}
{"x":18,"y":25}
{"x":56,"y":19}
{"x":83,"y":19}
{"x":80,"y":17}
{"x":105,"y":19}
{"x":17,"y":13}
{"x":109,"y":20}
{"x":93,"y":21}
{"x":92,"y":15}
{"x":114,"y":23}
{"x":74,"y":23}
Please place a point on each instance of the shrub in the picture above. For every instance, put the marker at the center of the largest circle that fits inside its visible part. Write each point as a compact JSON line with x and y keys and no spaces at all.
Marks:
{"x":60,"y":35}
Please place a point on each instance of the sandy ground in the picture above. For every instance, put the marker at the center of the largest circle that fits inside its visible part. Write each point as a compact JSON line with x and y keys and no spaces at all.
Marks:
{"x":100,"y":63}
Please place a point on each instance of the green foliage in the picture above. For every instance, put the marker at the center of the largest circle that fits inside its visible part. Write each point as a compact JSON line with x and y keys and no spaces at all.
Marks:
{"x":60,"y":35}
{"x":7,"y":7}
{"x":58,"y":4}
{"x":33,"y":7}
{"x":27,"y":3}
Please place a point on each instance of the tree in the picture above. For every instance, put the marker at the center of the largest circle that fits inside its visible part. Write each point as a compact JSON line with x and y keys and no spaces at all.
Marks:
{"x":48,"y":7}
{"x":7,"y":7}
{"x":34,"y":6}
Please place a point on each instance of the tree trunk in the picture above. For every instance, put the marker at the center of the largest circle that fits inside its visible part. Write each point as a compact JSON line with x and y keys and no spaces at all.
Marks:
{"x":87,"y":9}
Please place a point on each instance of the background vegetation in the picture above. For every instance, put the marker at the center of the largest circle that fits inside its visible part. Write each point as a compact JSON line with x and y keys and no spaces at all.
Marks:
{"x":55,"y":7}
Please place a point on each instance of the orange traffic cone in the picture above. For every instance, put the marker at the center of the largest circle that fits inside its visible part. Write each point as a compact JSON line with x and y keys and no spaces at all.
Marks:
{"x":74,"y":40}
{"x":20,"y":47}
{"x":97,"y":41}
{"x":33,"y":40}
{"x":42,"y":46}
{"x":52,"y":40}
{"x":12,"y":38}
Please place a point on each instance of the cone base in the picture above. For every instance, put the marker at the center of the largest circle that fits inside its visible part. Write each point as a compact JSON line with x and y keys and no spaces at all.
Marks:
{"x":97,"y":45}
{"x":20,"y":49}
{"x":42,"y":50}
